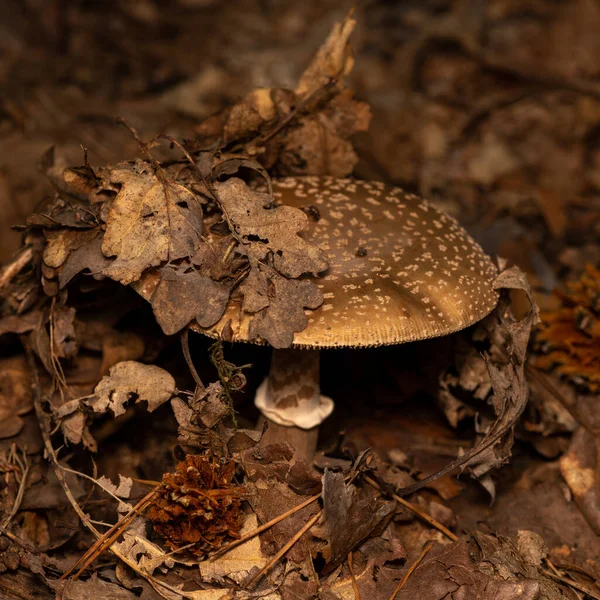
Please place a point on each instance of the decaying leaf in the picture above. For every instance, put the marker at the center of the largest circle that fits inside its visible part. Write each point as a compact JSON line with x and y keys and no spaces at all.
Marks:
{"x":183,"y":294}
{"x":151,"y":221}
{"x":64,"y":338}
{"x":579,"y":468}
{"x":349,"y":517}
{"x":269,"y":498}
{"x":21,"y":323}
{"x":123,"y":490}
{"x":451,"y":572}
{"x":61,"y":243}
{"x":321,"y":143}
{"x":261,"y":229}
{"x":376,"y":568}
{"x":88,"y":257}
{"x":132,"y":380}
{"x":146,"y":555}
{"x":239,"y":561}
{"x":211,"y":407}
{"x":94,"y":587}
{"x":279,"y":305}
{"x":333,"y":60}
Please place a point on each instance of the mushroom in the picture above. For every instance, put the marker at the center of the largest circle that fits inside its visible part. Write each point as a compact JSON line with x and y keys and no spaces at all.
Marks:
{"x":399,"y":271}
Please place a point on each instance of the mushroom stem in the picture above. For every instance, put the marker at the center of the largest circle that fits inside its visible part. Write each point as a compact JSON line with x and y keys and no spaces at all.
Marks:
{"x":304,"y":441}
{"x":290,"y":399}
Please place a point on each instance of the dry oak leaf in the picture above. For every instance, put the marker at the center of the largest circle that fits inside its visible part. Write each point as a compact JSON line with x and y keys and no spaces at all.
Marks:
{"x":130,"y":379}
{"x":261,"y":229}
{"x":60,"y":243}
{"x":319,"y":144}
{"x":149,"y":222}
{"x":279,"y":306}
{"x":74,"y":250}
{"x":184,"y":294}
{"x":319,"y":148}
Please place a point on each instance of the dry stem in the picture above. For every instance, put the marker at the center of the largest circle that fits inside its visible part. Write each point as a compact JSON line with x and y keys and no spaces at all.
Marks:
{"x":412,"y":568}
{"x":354,"y":583}
{"x":417,"y":511}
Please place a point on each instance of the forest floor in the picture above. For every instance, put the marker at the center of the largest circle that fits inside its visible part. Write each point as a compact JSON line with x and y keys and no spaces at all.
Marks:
{"x":490,"y":109}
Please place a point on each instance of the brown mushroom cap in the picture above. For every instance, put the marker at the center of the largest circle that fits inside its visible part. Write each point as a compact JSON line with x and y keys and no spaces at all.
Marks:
{"x":399,"y":269}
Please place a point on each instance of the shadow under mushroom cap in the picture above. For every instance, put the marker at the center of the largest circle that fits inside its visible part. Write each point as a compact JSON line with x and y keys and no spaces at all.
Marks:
{"x":399,"y":269}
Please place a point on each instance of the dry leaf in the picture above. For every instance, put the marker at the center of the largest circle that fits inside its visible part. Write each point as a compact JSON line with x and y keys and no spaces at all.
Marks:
{"x":94,"y":587}
{"x":149,"y":222}
{"x":86,"y":256}
{"x":333,"y":60}
{"x":60,"y":244}
{"x":279,"y":304}
{"x":350,"y":516}
{"x":579,"y":468}
{"x":239,"y":561}
{"x":505,"y":362}
{"x":64,"y":339}
{"x":128,"y":380}
{"x":262,"y":230}
{"x":184,"y":294}
{"x":450,"y":572}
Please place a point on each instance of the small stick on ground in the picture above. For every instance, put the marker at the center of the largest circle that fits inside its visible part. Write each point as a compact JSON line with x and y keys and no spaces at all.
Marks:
{"x":23,"y":465}
{"x":14,"y":268}
{"x":354,"y":583}
{"x":283,"y":551}
{"x":417,"y":511}
{"x":412,"y":568}
{"x":571,"y":583}
{"x":185,"y":348}
{"x":109,"y":537}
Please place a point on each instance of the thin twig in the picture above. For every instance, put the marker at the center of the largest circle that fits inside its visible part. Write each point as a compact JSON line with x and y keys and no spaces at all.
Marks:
{"x":22,"y":485}
{"x":581,"y":587}
{"x":411,"y":570}
{"x":354,"y":583}
{"x":15,"y":267}
{"x":570,"y":583}
{"x":185,"y":348}
{"x":417,"y":511}
{"x":13,"y":538}
{"x":45,"y":430}
{"x":283,"y":550}
{"x":109,"y":537}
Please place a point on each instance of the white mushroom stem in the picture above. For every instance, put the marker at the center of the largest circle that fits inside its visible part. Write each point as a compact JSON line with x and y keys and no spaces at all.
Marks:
{"x":290,"y":398}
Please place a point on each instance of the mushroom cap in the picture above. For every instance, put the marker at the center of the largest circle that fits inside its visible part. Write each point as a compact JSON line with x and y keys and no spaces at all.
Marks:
{"x":399,"y":270}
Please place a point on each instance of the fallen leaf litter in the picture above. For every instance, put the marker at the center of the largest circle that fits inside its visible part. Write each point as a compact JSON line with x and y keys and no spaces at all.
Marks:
{"x":197,"y":234}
